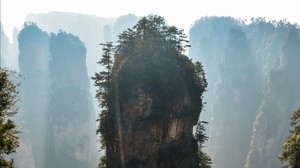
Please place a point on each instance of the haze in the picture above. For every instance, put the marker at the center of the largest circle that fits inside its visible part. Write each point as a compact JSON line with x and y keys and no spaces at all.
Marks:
{"x":179,"y":13}
{"x":249,"y":53}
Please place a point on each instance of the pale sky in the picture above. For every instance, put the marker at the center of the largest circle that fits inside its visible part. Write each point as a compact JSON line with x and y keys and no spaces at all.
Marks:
{"x":180,"y":13}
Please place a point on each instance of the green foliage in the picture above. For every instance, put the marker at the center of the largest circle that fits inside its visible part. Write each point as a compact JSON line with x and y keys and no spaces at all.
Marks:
{"x":290,"y":156}
{"x":102,"y":162}
{"x":8,"y":131}
{"x":199,"y":77}
{"x":200,"y":133}
{"x":103,"y":78}
{"x":103,"y":82}
{"x":150,"y":36}
{"x":204,"y":158}
{"x":150,"y":54}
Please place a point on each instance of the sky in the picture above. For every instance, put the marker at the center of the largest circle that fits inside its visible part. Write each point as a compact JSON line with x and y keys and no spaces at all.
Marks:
{"x":180,"y":13}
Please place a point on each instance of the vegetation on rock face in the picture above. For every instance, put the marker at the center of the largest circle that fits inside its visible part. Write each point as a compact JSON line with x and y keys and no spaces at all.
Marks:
{"x":149,"y":56}
{"x":8,"y":130}
{"x":205,"y":160}
{"x":290,"y":156}
{"x":103,"y":82}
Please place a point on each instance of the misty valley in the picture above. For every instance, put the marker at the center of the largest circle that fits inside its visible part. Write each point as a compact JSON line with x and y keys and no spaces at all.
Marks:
{"x":80,"y":91}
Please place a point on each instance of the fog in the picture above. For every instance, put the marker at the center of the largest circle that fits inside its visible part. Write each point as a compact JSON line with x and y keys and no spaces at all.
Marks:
{"x":57,"y":116}
{"x":253,"y":87}
{"x":252,"y":69}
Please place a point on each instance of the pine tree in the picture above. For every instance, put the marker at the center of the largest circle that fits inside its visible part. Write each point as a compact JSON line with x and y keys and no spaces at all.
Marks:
{"x":204,"y":158}
{"x":8,"y":130}
{"x":103,"y":83}
{"x":290,"y":157}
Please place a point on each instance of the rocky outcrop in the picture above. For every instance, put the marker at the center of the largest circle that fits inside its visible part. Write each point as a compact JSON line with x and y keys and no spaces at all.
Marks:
{"x":70,"y":139}
{"x":3,"y":45}
{"x":281,"y":97}
{"x":93,"y":33}
{"x":156,"y":106}
{"x":8,"y":50}
{"x":236,"y":78}
{"x":148,"y":141}
{"x":56,"y":118}
{"x":33,"y":62}
{"x":153,"y":98}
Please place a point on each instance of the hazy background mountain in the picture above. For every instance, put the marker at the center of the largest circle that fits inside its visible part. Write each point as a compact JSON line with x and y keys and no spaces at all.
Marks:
{"x":71,"y":137}
{"x":9,"y":51}
{"x":92,"y":30}
{"x":252,"y":90}
{"x":57,"y":115}
{"x":35,"y":89}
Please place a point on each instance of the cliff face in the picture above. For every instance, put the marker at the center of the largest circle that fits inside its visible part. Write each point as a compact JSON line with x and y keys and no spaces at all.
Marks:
{"x":34,"y":91}
{"x":95,"y":30}
{"x":148,"y":142}
{"x":70,"y":130}
{"x":92,"y":33}
{"x":4,"y":45}
{"x":56,"y":113}
{"x":154,"y":115}
{"x":234,"y":102}
{"x":154,"y":99}
{"x":8,"y":51}
{"x":281,"y":97}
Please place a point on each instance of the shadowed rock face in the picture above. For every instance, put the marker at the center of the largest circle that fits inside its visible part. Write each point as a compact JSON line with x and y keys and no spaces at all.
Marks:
{"x":156,"y":142}
{"x":154,"y":117}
